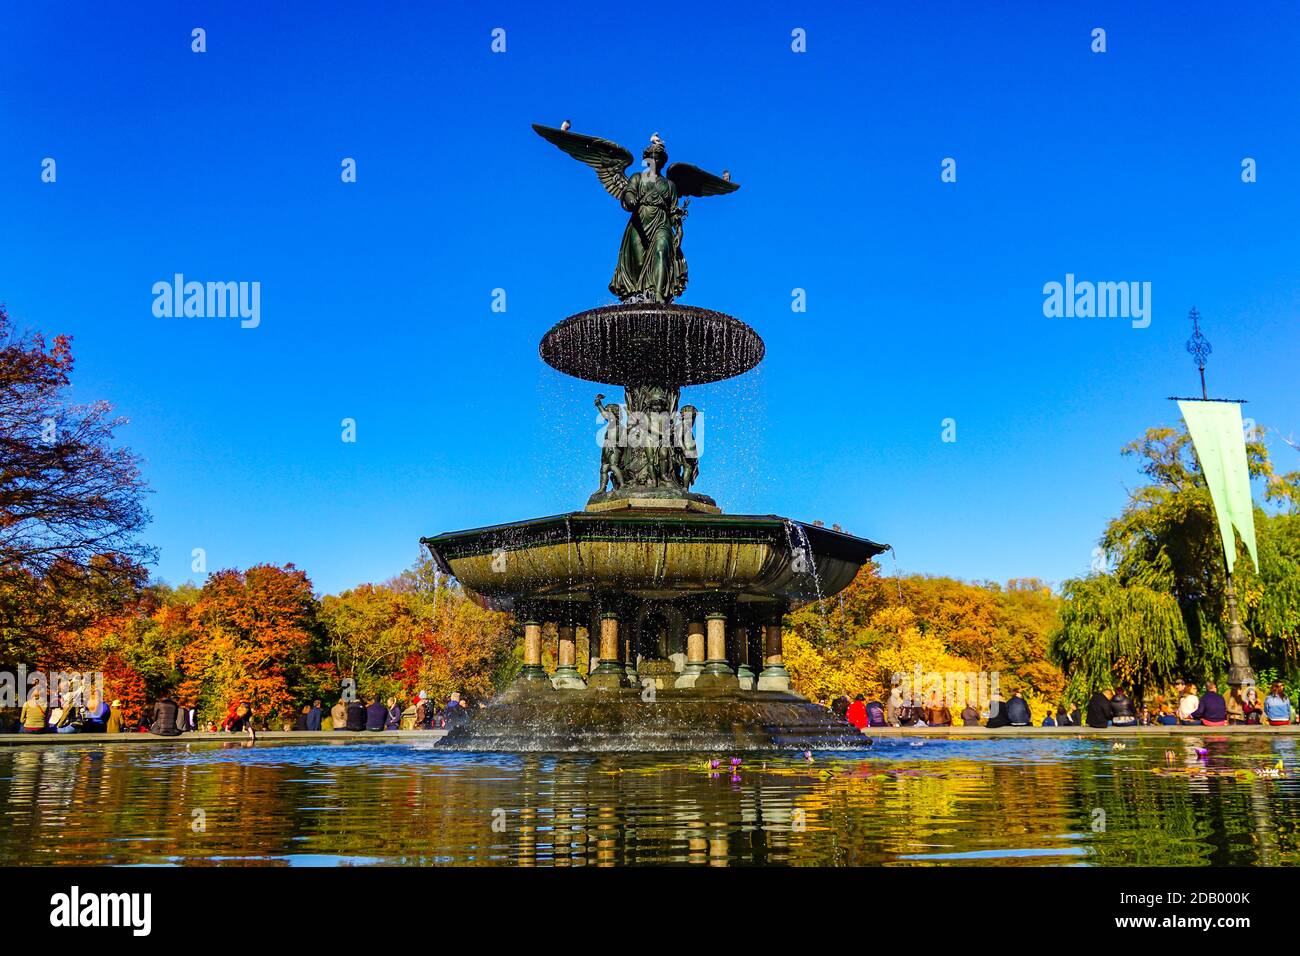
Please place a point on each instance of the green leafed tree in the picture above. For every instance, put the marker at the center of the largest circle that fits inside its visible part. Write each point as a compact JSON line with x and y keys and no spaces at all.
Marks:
{"x":1159,"y":610}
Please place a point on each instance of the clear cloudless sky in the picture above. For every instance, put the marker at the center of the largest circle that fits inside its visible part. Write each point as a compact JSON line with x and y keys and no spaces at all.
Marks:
{"x":924,"y":298}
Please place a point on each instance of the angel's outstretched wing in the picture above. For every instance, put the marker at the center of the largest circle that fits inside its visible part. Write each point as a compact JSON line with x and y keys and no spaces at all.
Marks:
{"x":693,"y":181}
{"x":609,"y":160}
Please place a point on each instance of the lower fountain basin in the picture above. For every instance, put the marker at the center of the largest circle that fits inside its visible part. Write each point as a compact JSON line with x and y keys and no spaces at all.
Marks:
{"x":604,"y":721}
{"x":569,"y":558}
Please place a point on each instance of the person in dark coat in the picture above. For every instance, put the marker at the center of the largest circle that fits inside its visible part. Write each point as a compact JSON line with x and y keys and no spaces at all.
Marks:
{"x":1122,"y":711}
{"x":314,"y":716}
{"x":164,"y":718}
{"x":840,"y":707}
{"x":1099,"y":709}
{"x":997,"y":713}
{"x":1213,"y":709}
{"x":1018,"y":711}
{"x":356,"y":715}
{"x":376,"y":715}
{"x":300,"y":722}
{"x":970,"y":715}
{"x":1066,"y":719}
{"x":455,"y":712}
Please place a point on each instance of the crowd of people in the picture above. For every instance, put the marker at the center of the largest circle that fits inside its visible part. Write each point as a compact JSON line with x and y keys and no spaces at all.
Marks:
{"x":77,"y":713}
{"x":1108,"y":707}
{"x":1184,"y":705}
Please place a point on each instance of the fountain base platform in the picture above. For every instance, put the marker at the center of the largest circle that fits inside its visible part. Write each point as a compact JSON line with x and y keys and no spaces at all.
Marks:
{"x":624,"y":720}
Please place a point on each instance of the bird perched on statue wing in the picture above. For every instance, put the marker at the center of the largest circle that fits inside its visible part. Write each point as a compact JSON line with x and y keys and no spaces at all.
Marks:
{"x":651,"y":266}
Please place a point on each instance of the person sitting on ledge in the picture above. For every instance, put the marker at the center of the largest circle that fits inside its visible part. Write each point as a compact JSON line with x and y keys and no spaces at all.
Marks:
{"x":1064,"y":718}
{"x":314,"y":716}
{"x":1099,"y":709}
{"x":1122,"y":713}
{"x":875,"y":713}
{"x":970,"y":715}
{"x":1018,"y":711}
{"x":300,"y":722}
{"x":1047,"y":720}
{"x":116,"y":722}
{"x":1236,"y":706}
{"x":1277,"y":708}
{"x":936,"y":713}
{"x":840,"y":707}
{"x":1188,"y":703}
{"x":1213,"y":709}
{"x":33,"y":715}
{"x":356,"y":719}
{"x":237,"y":718}
{"x":163,"y":722}
{"x":339,"y":715}
{"x":997,"y":712}
{"x":96,"y":716}
{"x":1167,"y":717}
{"x":893,"y":705}
{"x":456,"y":712}
{"x":376,"y":715}
{"x":857,"y":712}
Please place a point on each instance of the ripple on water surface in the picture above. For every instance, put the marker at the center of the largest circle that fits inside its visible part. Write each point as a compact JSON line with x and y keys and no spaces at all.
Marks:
{"x":927,"y":802}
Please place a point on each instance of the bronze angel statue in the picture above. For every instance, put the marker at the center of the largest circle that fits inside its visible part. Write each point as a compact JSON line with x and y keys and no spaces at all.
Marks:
{"x":651,"y":267}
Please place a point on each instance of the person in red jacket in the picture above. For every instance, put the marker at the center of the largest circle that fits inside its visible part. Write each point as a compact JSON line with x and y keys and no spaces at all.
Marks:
{"x":857,"y":712}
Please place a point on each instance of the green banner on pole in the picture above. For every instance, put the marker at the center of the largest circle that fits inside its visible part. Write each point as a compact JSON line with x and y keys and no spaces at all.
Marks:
{"x":1221,"y":447}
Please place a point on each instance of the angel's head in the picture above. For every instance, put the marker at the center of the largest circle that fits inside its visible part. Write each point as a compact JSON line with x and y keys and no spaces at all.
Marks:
{"x":656,"y":153}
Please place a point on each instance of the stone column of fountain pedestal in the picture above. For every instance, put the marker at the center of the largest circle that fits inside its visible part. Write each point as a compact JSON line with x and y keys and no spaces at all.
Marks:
{"x":774,"y":676}
{"x":609,"y":674}
{"x":566,"y":676}
{"x":717,"y":673}
{"x":533,"y":674}
{"x":694,"y":655}
{"x":629,"y":663}
{"x":744,"y":675}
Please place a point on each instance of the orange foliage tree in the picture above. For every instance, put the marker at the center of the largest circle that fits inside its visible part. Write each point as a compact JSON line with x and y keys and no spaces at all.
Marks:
{"x":254,"y":633}
{"x":854,"y":642}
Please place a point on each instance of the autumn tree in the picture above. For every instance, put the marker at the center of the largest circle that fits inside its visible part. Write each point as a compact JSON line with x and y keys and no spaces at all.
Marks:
{"x":372,"y":631}
{"x":855,"y":641}
{"x":463,"y":647}
{"x":70,"y":499}
{"x":253,"y":636}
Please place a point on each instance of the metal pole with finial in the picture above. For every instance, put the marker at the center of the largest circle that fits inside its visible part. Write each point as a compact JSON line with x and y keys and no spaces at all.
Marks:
{"x":1239,"y":669}
{"x":1199,"y":347}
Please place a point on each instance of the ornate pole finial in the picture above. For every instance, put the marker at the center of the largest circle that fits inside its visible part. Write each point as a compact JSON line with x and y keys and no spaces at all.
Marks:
{"x":1198,"y":346}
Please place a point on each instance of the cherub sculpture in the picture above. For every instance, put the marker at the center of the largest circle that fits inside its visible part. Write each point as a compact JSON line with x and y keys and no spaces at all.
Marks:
{"x":651,"y":267}
{"x":686,"y":451}
{"x":611,"y":451}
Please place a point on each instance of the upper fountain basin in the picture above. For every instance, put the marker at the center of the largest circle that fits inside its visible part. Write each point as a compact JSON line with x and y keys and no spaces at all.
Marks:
{"x":662,"y":343}
{"x":658,"y":555}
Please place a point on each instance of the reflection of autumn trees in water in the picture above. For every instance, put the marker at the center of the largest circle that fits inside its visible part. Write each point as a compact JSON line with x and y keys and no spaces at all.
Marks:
{"x":391,"y":803}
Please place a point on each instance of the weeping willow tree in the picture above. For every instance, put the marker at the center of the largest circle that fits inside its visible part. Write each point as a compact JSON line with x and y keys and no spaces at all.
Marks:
{"x":1160,"y":609}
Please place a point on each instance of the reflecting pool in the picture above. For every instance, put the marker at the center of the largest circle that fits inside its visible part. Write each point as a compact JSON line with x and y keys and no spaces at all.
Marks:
{"x":1157,"y":800}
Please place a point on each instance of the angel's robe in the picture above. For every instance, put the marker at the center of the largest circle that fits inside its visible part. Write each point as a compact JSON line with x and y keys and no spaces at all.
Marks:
{"x":650,"y":260}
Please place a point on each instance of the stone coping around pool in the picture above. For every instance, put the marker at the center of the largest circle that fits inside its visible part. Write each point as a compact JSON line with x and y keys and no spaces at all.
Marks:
{"x":370,"y":736}
{"x":295,"y":736}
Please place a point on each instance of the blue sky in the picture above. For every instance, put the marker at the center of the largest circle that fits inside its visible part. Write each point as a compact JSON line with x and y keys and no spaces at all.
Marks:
{"x":924,"y":298}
